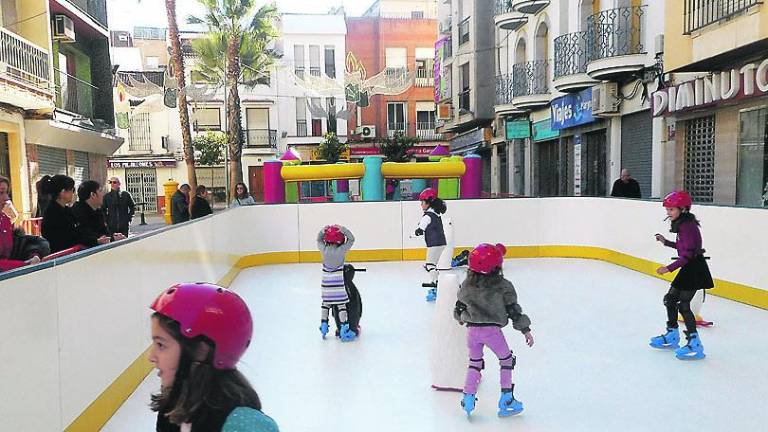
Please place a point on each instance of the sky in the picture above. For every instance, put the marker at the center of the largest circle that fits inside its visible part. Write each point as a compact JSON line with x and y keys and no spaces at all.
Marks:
{"x":125,"y":14}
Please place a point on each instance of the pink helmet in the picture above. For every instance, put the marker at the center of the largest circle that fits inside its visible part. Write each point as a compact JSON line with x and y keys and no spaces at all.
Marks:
{"x":678,"y":199}
{"x":211,"y":311}
{"x":332,"y":234}
{"x":428,"y":194}
{"x":486,"y":258}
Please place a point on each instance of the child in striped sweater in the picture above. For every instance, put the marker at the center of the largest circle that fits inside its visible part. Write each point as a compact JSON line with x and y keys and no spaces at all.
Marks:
{"x":334,"y":241}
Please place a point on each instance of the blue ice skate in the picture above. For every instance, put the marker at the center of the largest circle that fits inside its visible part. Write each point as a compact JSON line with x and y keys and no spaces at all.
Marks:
{"x":693,"y":350}
{"x":324,"y":328}
{"x":509,"y":406}
{"x":669,"y":340}
{"x":468,"y":403}
{"x":432,"y":294}
{"x":346,"y":334}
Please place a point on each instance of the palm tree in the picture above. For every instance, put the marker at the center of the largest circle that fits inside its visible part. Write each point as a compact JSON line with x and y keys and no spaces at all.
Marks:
{"x":237,"y":28}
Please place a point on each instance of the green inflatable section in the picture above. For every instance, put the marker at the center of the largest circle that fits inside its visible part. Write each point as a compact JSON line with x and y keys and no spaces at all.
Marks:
{"x":449,"y":188}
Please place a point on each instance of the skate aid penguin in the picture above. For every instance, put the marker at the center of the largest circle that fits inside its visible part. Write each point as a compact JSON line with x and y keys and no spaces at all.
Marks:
{"x":486,"y":303}
{"x":431,"y":227}
{"x":694,"y":275}
{"x":334,"y":241}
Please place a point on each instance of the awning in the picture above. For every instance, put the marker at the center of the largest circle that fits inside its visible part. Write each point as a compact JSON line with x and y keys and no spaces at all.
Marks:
{"x":54,"y":133}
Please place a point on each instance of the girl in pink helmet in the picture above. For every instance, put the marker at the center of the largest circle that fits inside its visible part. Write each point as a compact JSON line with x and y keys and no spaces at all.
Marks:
{"x":486,"y":303}
{"x":431,"y":227}
{"x":199,"y":333}
{"x":334,"y":241}
{"x":694,"y":275}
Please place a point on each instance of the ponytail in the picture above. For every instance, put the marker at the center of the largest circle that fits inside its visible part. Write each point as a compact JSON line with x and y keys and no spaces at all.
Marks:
{"x":438,"y":205}
{"x":54,"y":185}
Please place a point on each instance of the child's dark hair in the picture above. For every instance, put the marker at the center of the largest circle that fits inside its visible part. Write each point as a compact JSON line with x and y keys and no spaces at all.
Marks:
{"x":438,"y":205}
{"x":476,"y":278}
{"x":199,"y":389}
{"x":86,"y":188}
{"x":54,"y":185}
{"x":684,"y":217}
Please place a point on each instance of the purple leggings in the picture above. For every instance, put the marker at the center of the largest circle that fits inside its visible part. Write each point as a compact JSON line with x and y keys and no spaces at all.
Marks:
{"x":491,"y":336}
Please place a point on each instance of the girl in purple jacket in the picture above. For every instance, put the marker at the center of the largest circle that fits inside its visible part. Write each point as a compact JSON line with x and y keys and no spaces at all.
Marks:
{"x":693,"y":276}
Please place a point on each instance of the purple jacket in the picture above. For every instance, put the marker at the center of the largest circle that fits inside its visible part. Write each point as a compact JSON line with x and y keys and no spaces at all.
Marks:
{"x":688,"y":244}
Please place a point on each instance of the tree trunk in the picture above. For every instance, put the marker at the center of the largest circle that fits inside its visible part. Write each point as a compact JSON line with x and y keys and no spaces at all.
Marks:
{"x":234,"y":122}
{"x":177,"y":60}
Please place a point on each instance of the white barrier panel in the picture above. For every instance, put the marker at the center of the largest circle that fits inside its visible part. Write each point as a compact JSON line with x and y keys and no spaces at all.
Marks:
{"x":69,"y":331}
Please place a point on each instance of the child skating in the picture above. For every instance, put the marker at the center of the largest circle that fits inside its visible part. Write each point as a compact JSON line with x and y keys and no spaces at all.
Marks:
{"x":199,"y":333}
{"x":334,"y":241}
{"x":486,"y":303}
{"x":694,"y":275}
{"x":431,"y":227}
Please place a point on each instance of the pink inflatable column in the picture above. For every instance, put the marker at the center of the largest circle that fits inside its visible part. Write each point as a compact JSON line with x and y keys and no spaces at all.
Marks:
{"x":471,"y":181}
{"x":274,"y":188}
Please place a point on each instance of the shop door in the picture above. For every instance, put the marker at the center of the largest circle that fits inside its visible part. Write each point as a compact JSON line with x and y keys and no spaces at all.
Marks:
{"x":485,"y":154}
{"x":547,"y":164}
{"x":141,"y":183}
{"x":5,"y":160}
{"x":51,"y":161}
{"x":503,"y":170}
{"x":519,"y":167}
{"x":256,"y":182}
{"x":637,"y":148}
{"x":594,"y":164}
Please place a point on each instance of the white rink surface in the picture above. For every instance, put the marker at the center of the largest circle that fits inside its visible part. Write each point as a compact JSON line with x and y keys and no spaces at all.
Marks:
{"x":591,"y":368}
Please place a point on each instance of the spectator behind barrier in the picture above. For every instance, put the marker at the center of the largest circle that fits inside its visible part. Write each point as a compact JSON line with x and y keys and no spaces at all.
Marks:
{"x":8,"y":259}
{"x":180,"y":205}
{"x":91,"y":227}
{"x":200,"y":206}
{"x":59,"y":226}
{"x":626,"y":186}
{"x":242,"y":198}
{"x":118,"y":208}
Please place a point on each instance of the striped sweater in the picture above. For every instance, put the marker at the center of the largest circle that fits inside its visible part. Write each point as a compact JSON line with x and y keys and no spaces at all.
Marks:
{"x":333,"y":289}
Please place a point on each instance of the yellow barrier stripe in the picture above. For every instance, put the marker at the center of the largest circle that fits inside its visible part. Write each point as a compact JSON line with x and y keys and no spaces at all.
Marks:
{"x":112,"y":398}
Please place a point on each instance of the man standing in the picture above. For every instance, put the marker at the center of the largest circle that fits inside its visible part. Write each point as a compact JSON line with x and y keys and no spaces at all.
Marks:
{"x":626,"y":186}
{"x":180,"y":205}
{"x":91,"y":228}
{"x":200,"y":205}
{"x":118,"y":208}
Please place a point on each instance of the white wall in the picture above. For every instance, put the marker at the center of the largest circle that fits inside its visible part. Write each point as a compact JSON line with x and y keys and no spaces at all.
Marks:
{"x":68,"y":331}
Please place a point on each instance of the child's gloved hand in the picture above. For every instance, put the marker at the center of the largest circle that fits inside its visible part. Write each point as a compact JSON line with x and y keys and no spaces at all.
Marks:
{"x":324,"y":328}
{"x":419,"y":232}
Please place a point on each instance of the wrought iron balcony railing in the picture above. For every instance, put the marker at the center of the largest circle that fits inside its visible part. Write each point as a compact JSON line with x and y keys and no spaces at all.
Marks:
{"x":701,"y":13}
{"x":616,"y":32}
{"x":530,"y":78}
{"x":426,"y":131}
{"x":504,"y":89}
{"x":571,"y":54}
{"x":24,"y":61}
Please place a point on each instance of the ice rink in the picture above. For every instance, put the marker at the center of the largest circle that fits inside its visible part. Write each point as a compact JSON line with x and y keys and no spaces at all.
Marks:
{"x":591,"y":368}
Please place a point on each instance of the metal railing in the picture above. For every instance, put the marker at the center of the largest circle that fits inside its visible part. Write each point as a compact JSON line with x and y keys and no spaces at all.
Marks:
{"x":701,"y":13}
{"x":504,"y":89}
{"x":425,"y":77}
{"x":530,"y":78}
{"x":426,"y":131}
{"x":395,"y":128}
{"x":261,"y":138}
{"x":616,"y":32}
{"x":301,"y":128}
{"x":74,"y":94}
{"x":503,"y":7}
{"x":96,"y":9}
{"x":22,"y":60}
{"x":464,"y":32}
{"x":571,"y":54}
{"x":314,"y":71}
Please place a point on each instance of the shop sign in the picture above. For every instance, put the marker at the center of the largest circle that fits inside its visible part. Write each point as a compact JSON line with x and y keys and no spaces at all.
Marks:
{"x":475,"y":137}
{"x":142,"y":163}
{"x":542,"y":130}
{"x":518,"y":129}
{"x":376,"y":151}
{"x":748,"y":81}
{"x":572,"y":110}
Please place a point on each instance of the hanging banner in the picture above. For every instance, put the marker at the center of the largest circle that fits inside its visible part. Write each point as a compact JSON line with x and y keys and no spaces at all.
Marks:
{"x":442,"y":85}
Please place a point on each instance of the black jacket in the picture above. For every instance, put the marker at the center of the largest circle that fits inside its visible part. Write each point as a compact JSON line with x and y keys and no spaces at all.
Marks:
{"x":200,"y":208}
{"x":118,"y":211}
{"x":179,"y":208}
{"x":90,"y":224}
{"x":630,"y":189}
{"x":59,"y":227}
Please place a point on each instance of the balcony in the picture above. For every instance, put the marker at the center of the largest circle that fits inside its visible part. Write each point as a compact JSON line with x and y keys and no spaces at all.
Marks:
{"x":615,"y":43}
{"x":701,"y":13}
{"x":530,"y":7}
{"x":506,"y":18}
{"x":25,"y":65}
{"x":261,"y":139}
{"x":425,"y":78}
{"x":75,"y":95}
{"x":425,"y":131}
{"x":395,"y":129}
{"x":504,"y":95}
{"x":571,"y":63}
{"x":96,"y":9}
{"x":530,"y":84}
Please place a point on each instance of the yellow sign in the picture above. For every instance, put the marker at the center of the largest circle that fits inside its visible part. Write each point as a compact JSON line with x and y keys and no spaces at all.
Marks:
{"x":315,"y":155}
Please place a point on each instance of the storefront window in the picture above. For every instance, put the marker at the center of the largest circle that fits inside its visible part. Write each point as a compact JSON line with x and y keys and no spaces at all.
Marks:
{"x":752,"y":189}
{"x":700,"y":158}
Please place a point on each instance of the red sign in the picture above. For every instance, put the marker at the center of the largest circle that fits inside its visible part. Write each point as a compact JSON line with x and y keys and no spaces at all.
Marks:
{"x":375,"y":151}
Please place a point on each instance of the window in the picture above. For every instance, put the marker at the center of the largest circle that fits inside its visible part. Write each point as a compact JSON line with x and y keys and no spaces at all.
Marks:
{"x":700,"y":158}
{"x":153,"y":62}
{"x":330,"y":61}
{"x":464,"y":95}
{"x":139,"y":136}
{"x":314,"y":60}
{"x":317,"y":123}
{"x":298,"y":59}
{"x":397,"y":58}
{"x":464,"y":31}
{"x":330,"y":104}
{"x":206,"y":119}
{"x":417,"y":14}
{"x":301,"y":116}
{"x":752,"y":181}
{"x":395,"y":118}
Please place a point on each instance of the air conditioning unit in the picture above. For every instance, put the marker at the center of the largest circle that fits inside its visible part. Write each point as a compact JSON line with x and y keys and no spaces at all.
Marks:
{"x":366,"y":131}
{"x":605,"y":98}
{"x":63,"y":29}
